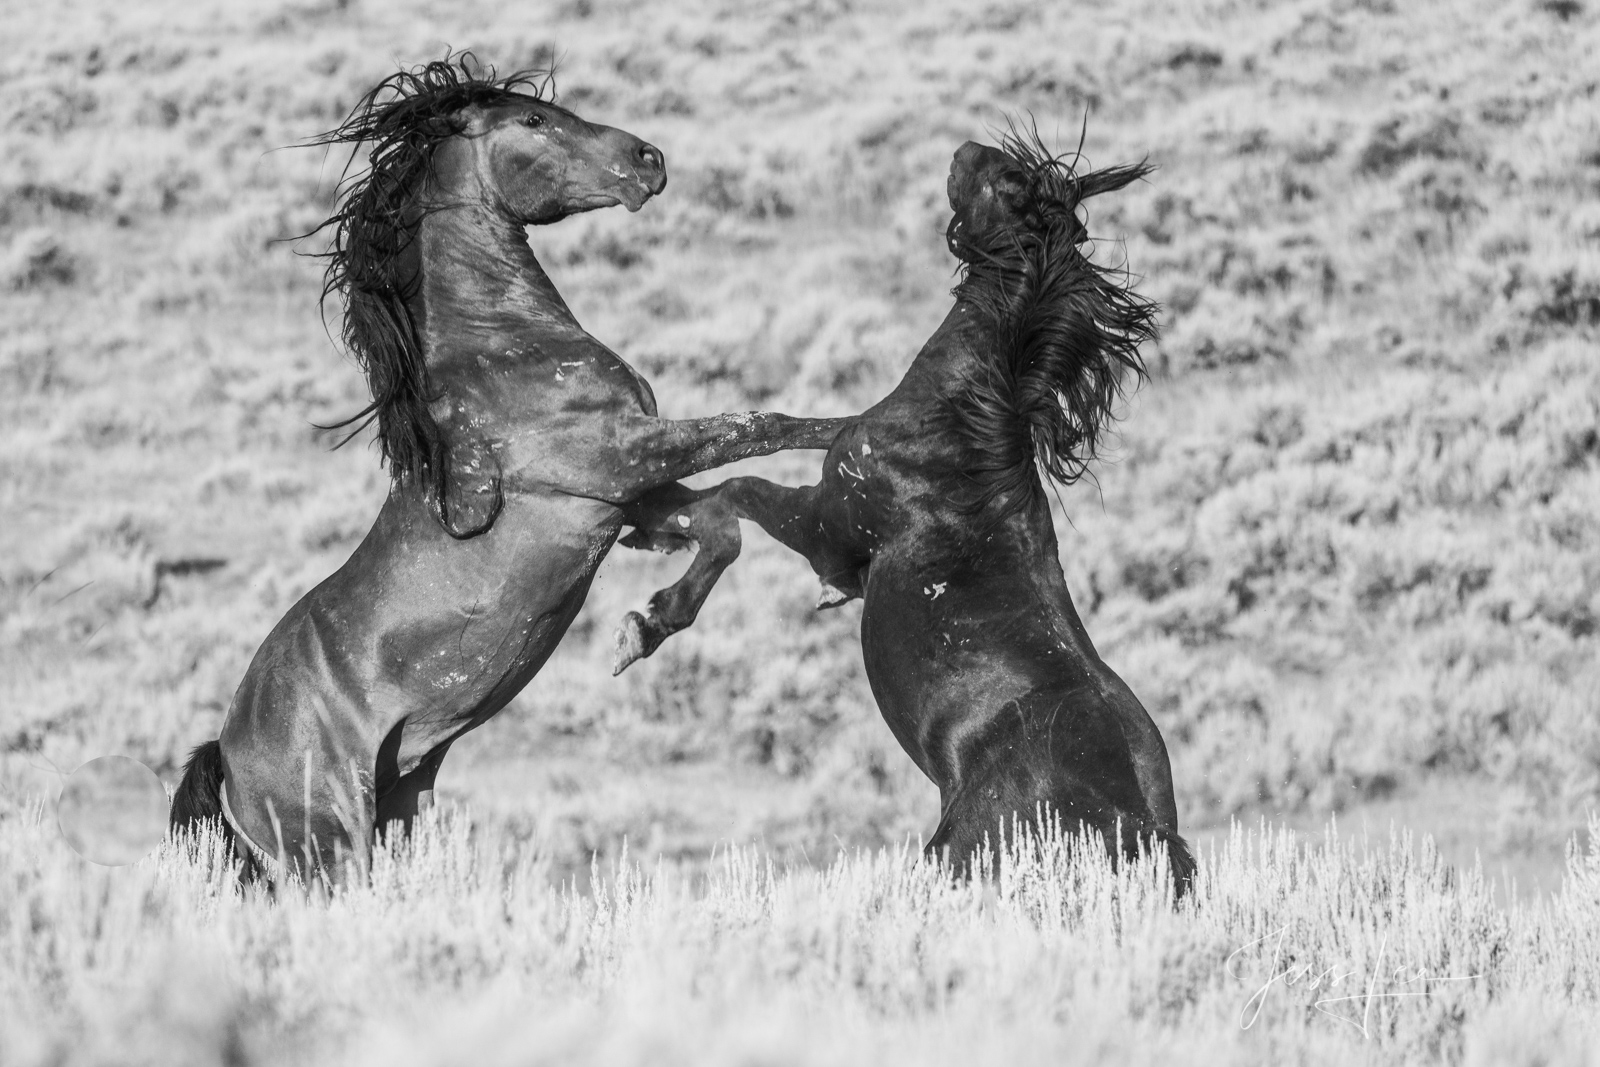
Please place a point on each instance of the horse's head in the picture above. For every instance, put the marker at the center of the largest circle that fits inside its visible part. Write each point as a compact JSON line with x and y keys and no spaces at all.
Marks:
{"x":1002,"y":196}
{"x":1066,"y":327}
{"x":538,"y":162}
{"x":988,"y":193}
{"x":443,"y":136}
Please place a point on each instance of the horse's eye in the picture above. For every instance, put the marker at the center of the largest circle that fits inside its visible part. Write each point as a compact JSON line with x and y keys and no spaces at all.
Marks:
{"x":534,"y":120}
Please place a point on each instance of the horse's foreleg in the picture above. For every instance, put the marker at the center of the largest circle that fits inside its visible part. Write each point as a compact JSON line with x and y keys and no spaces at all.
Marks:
{"x":799,"y":519}
{"x":319,"y":832}
{"x":642,"y":453}
{"x":665,"y":520}
{"x":672,"y":517}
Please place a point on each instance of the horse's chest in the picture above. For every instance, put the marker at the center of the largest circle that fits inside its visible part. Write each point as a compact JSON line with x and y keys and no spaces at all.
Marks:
{"x":859,"y":486}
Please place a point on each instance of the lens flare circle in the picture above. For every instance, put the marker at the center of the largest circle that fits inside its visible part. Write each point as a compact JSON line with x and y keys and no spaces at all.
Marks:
{"x":112,"y":811}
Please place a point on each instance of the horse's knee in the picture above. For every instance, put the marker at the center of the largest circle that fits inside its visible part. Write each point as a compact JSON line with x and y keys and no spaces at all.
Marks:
{"x":722,"y":520}
{"x":713,"y":525}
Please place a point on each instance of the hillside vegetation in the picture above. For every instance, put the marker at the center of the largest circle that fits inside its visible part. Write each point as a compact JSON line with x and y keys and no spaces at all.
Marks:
{"x":1349,"y":543}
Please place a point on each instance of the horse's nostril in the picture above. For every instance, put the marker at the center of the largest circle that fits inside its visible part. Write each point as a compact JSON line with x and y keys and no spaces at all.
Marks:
{"x":650,"y":156}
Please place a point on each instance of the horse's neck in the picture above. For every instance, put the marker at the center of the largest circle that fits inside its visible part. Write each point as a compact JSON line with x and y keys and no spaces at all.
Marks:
{"x":966,"y":349}
{"x":959,"y":351}
{"x":481,"y":285}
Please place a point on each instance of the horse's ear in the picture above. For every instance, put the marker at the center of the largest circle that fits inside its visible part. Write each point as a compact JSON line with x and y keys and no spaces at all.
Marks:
{"x":467,"y":496}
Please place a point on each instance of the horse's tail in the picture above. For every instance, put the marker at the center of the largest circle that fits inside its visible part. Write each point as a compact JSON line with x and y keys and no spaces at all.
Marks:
{"x":199,"y":795}
{"x":1139,"y":836}
{"x":1180,"y":860}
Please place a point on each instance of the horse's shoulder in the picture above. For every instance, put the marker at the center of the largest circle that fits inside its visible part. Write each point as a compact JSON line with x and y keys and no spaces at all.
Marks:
{"x":612,"y":379}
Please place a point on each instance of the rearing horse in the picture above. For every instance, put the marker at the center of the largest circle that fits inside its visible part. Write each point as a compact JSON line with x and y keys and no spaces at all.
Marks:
{"x":931,"y":508}
{"x":519,"y":447}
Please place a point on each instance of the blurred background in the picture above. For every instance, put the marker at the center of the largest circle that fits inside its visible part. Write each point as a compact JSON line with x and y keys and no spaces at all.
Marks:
{"x":1346,"y":549}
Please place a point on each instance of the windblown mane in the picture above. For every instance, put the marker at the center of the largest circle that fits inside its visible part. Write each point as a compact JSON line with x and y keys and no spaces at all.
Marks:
{"x":405,"y":117}
{"x":1069,"y":330}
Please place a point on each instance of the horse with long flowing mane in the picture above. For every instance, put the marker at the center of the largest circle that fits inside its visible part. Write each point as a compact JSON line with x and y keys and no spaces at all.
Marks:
{"x":931,"y":507}
{"x":519,"y":447}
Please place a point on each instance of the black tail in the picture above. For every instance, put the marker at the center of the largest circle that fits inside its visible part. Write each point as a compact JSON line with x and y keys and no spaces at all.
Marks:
{"x":1181,"y":860}
{"x":199,"y":795}
{"x":1140,"y":837}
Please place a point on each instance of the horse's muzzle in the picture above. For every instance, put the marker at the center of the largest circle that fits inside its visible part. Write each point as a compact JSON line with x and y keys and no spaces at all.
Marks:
{"x":651,"y":166}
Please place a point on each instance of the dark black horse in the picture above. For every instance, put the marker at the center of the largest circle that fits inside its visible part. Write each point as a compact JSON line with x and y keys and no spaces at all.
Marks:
{"x":931,"y":507}
{"x":519,"y":446}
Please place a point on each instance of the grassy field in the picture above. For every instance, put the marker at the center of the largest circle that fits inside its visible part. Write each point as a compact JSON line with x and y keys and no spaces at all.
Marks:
{"x":1347,"y":551}
{"x":461,"y":951}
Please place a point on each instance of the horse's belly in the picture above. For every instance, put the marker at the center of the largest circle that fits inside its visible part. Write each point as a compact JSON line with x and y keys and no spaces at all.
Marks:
{"x":421,"y":632}
{"x":497,"y":622}
{"x":937,"y":671}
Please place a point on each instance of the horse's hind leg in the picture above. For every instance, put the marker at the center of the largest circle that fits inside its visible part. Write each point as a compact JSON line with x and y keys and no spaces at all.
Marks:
{"x":318,"y":823}
{"x":411,"y":794}
{"x":664,"y":521}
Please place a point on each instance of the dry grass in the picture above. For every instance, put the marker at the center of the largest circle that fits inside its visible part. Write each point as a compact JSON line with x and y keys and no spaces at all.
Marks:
{"x":461,"y":950}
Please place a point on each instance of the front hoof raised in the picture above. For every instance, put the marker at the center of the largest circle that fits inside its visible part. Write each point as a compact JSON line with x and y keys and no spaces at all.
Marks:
{"x":629,"y":643}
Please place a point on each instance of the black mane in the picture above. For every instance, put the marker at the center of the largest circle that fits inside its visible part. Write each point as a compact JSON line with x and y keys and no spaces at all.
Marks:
{"x":404,"y":117}
{"x":1069,"y":331}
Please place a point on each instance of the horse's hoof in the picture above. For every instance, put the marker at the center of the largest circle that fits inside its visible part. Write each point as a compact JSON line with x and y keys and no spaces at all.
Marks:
{"x":629,"y":643}
{"x":832,"y":596}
